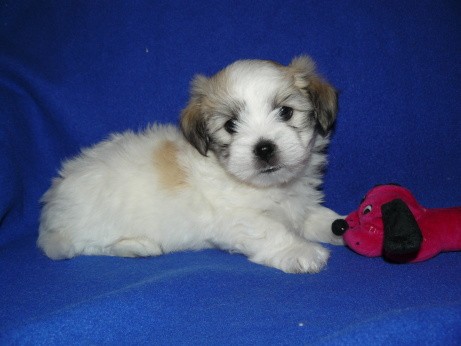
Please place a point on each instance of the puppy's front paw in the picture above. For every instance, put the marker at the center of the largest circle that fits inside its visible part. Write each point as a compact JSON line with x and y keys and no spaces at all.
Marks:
{"x":299,"y":258}
{"x":317,"y":227}
{"x":323,"y":235}
{"x":334,"y":239}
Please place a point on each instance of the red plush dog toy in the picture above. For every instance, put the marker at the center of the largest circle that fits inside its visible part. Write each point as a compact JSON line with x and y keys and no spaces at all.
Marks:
{"x":391,"y":223}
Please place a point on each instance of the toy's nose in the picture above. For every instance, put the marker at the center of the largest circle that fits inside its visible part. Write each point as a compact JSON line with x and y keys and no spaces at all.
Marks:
{"x":339,"y":227}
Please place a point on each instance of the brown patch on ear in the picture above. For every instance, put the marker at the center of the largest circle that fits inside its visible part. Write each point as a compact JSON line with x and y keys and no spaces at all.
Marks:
{"x":193,"y":124}
{"x":170,"y":173}
{"x":323,"y":96}
{"x":325,"y":100}
{"x":193,"y":127}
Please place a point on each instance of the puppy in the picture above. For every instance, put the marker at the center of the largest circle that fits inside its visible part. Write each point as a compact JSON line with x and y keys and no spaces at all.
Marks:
{"x":241,"y":175}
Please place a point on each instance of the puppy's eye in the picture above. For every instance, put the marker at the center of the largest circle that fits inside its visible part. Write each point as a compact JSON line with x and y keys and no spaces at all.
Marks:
{"x":286,"y":113}
{"x":230,"y":126}
{"x":367,"y":209}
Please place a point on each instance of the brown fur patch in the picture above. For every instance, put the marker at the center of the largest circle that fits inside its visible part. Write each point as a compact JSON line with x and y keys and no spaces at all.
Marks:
{"x":170,"y":173}
{"x":325,"y":101}
{"x":193,"y":126}
{"x":320,"y":92}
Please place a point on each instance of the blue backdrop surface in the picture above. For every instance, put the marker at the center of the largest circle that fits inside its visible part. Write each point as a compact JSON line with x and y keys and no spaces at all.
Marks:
{"x":71,"y":72}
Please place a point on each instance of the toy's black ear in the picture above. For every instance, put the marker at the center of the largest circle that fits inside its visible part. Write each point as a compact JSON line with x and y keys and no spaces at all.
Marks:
{"x":402,"y":235}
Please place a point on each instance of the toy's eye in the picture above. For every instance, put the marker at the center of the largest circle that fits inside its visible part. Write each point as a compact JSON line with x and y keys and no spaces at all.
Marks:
{"x":367,"y":209}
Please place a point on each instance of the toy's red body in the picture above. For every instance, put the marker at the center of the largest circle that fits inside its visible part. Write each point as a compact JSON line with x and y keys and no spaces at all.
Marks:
{"x":417,"y":233}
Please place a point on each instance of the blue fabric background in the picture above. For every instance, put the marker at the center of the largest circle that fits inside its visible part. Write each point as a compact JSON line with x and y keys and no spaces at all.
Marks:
{"x":71,"y":72}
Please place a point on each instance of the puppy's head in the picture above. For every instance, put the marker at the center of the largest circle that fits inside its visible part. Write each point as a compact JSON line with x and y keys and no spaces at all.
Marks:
{"x":260,"y":118}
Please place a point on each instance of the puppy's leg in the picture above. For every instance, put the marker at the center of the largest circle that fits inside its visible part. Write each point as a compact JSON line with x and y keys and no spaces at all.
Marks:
{"x":135,"y":247}
{"x":56,"y":245}
{"x":298,"y":257}
{"x":317,"y":226}
{"x":269,"y":243}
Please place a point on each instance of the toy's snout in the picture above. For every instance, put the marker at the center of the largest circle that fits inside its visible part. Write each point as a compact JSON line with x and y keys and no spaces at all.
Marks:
{"x":389,"y":229}
{"x":339,"y":227}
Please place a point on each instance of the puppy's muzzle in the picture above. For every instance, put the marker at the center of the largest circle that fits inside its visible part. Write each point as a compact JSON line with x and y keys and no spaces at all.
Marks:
{"x":265,"y":150}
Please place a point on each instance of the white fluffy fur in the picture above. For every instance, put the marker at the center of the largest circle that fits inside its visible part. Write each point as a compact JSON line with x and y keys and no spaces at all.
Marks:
{"x":153,"y":192}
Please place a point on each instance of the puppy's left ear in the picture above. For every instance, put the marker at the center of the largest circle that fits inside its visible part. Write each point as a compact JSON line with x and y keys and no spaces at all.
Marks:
{"x":193,"y":122}
{"x":323,"y":96}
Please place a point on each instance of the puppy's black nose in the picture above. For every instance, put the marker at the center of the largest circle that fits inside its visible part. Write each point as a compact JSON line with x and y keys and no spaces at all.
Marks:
{"x":264,"y":150}
{"x":339,"y":227}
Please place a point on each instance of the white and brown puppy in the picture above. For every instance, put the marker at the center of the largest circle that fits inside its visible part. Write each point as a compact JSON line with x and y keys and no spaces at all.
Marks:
{"x":242,"y":176}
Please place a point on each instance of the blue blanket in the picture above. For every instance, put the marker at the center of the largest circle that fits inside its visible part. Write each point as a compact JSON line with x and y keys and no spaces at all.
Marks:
{"x":71,"y":72}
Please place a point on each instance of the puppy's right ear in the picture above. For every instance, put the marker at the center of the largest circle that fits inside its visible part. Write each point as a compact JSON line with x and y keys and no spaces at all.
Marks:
{"x":193,"y":122}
